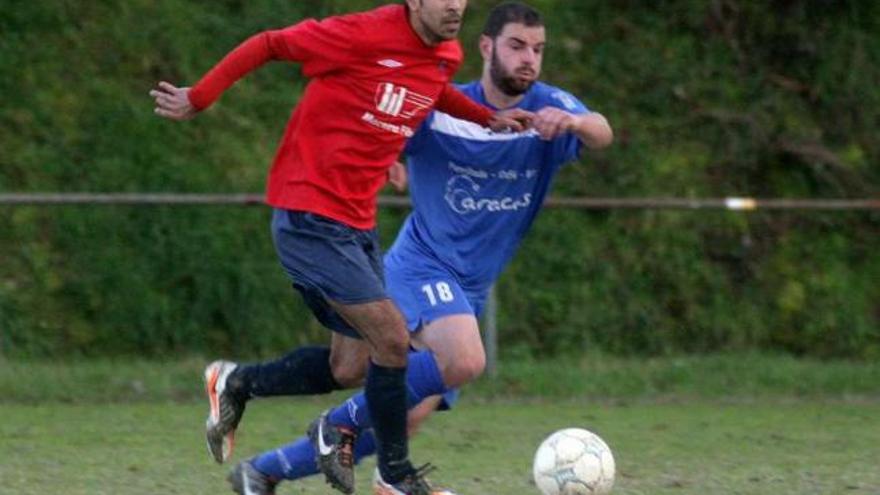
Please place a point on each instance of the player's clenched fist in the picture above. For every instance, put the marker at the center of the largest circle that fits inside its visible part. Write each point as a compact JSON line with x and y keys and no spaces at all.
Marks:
{"x":551,"y":122}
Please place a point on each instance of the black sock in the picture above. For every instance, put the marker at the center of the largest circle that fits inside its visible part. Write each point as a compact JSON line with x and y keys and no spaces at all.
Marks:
{"x":386,"y":398}
{"x":305,"y":371}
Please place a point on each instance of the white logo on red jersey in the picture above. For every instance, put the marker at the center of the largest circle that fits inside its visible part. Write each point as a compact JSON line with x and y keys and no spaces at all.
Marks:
{"x":404,"y":130}
{"x":390,"y":63}
{"x":399,"y":101}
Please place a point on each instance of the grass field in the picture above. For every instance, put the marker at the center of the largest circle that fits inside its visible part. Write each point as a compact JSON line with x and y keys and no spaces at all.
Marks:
{"x":483,"y":448}
{"x":804,"y":442}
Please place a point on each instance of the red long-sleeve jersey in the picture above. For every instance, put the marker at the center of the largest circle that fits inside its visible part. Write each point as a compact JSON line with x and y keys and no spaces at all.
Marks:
{"x":372,"y":82}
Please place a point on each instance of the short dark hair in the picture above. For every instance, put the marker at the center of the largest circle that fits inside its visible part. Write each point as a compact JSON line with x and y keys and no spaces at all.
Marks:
{"x":511,"y":12}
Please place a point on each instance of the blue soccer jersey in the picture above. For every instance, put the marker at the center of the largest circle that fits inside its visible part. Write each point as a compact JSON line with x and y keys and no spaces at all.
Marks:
{"x":475,"y":194}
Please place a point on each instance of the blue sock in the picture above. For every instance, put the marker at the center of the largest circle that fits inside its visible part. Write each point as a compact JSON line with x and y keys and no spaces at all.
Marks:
{"x":297,"y":460}
{"x":423,"y":379}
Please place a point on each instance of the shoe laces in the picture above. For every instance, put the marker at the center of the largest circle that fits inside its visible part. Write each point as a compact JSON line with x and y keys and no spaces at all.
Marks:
{"x":425,"y":469}
{"x":416,"y":480}
{"x":346,"y":447}
{"x":231,"y":409}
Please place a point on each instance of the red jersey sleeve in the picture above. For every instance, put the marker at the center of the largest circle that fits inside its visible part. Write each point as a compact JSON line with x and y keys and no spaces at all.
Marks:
{"x":456,"y":104}
{"x":321,"y":46}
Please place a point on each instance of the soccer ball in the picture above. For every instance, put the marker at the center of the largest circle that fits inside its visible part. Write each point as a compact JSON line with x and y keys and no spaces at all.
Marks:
{"x":574,"y":461}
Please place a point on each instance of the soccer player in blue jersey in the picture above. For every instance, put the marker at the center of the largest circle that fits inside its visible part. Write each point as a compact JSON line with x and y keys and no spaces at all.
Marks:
{"x":475,"y":194}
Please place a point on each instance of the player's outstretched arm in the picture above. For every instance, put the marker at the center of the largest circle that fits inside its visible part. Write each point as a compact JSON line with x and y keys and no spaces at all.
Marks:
{"x":184,"y":103}
{"x":173,"y":102}
{"x":456,"y":104}
{"x":591,"y":128}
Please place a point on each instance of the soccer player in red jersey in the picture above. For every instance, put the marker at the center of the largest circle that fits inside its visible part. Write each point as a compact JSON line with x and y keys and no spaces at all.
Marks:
{"x":374,"y":76}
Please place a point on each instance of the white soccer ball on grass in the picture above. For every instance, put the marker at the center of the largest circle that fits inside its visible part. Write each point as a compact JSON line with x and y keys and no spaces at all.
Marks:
{"x":574,"y":461}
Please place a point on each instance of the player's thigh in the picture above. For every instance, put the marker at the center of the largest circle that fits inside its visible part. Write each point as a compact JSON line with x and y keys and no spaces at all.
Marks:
{"x":381,"y":324}
{"x":455,"y":341}
{"x":332,"y":265}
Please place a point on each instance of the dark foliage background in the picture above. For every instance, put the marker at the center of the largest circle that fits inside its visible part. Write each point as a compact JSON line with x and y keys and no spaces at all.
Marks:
{"x":708,"y":99}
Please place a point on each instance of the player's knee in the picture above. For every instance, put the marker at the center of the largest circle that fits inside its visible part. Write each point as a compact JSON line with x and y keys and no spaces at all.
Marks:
{"x":466,"y":368}
{"x":348,"y":373}
{"x":396,"y":349}
{"x":348,"y":376}
{"x":391,"y":347}
{"x":473,"y":367}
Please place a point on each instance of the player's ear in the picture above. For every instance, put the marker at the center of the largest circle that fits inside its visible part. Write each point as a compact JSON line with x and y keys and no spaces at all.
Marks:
{"x":486,"y":47}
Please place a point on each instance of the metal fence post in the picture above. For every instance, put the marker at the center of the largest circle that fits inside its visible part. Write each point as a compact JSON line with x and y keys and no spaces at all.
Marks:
{"x":490,"y":336}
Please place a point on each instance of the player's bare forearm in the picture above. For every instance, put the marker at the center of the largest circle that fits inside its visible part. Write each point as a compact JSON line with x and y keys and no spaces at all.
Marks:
{"x":593,"y":130}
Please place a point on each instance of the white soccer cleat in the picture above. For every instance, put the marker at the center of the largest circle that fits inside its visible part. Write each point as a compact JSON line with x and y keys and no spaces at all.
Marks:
{"x":380,"y":487}
{"x":225,"y":410}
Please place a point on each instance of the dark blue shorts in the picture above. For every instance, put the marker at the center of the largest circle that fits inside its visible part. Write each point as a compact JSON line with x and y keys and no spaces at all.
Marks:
{"x":328,"y":260}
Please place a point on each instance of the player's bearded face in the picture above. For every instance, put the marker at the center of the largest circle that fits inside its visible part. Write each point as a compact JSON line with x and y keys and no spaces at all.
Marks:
{"x":441,"y":19}
{"x":516,"y":56}
{"x":512,"y":81}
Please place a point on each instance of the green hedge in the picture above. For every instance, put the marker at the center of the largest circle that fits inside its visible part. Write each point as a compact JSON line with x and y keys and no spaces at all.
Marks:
{"x":707,"y":98}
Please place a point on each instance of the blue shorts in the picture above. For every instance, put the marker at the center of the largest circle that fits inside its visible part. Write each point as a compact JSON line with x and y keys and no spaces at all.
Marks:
{"x":425,"y":291}
{"x":328,"y":260}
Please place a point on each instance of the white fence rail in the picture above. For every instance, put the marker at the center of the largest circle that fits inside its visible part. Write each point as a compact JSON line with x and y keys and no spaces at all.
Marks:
{"x":490,"y":316}
{"x":246,"y":199}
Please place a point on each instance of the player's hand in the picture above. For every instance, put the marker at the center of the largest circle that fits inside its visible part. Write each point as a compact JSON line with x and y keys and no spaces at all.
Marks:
{"x":397,"y":176}
{"x":173,"y":102}
{"x":512,"y":120}
{"x":551,"y":122}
